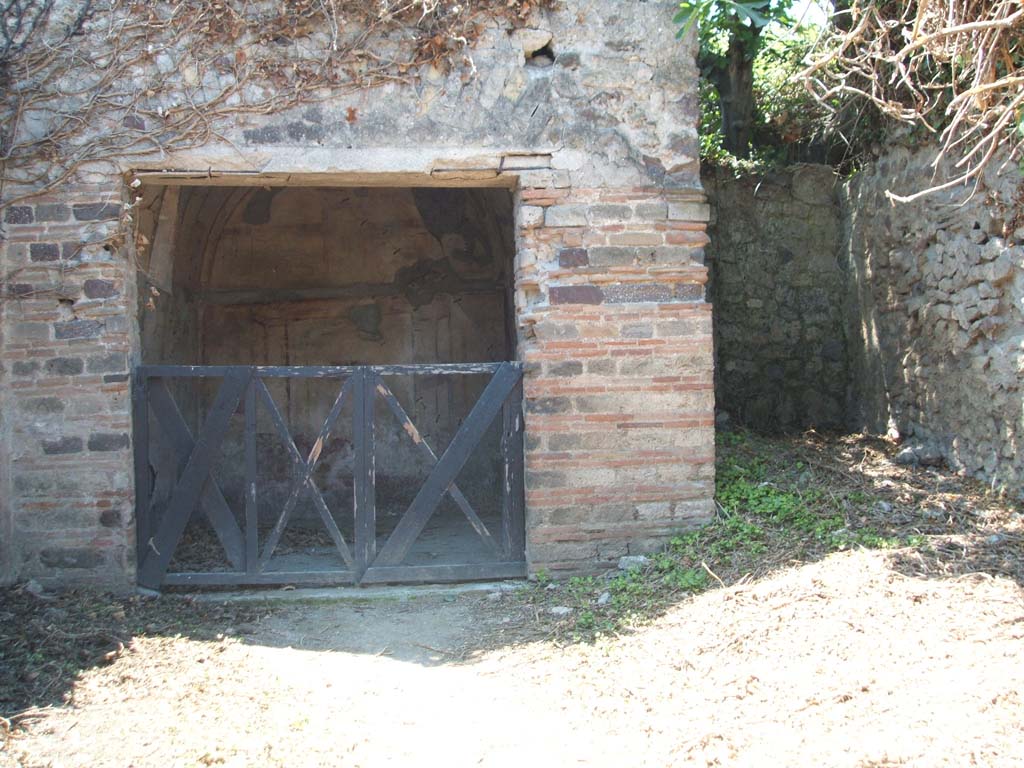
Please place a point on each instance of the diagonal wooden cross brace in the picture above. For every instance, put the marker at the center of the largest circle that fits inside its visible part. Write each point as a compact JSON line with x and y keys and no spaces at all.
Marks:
{"x":452,"y":490}
{"x":193,"y":477}
{"x":448,"y":466}
{"x":211,"y":500}
{"x":304,"y":469}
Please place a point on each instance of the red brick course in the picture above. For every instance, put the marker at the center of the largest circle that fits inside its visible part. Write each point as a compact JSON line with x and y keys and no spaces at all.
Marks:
{"x":619,"y":388}
{"x":615,"y":336}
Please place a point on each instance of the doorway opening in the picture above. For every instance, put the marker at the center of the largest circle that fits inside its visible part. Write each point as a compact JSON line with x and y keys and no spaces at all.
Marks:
{"x":328,"y":389}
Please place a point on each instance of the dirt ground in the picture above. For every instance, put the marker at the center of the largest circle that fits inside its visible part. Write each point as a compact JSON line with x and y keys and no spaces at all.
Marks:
{"x":864,"y":657}
{"x":843,"y":662}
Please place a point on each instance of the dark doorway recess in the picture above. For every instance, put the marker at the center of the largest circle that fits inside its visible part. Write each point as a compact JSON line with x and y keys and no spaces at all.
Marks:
{"x":328,"y":392}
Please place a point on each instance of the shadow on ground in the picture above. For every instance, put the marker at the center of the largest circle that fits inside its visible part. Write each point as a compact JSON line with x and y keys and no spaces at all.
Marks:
{"x":838,"y":492}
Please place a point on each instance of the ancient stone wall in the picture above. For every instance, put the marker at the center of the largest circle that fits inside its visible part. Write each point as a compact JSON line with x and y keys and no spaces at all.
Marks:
{"x":778,"y":288}
{"x":596,"y":139}
{"x":835,"y":307}
{"x":936,"y":314}
{"x":67,"y":341}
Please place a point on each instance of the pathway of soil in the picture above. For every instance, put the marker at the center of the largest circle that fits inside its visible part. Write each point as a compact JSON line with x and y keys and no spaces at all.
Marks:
{"x":843,"y":662}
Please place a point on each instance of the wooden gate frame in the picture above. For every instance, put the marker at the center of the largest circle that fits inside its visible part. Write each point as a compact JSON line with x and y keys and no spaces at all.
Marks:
{"x":243,"y":387}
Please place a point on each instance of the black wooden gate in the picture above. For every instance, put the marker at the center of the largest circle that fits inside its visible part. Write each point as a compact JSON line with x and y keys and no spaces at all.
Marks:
{"x":367,"y":558}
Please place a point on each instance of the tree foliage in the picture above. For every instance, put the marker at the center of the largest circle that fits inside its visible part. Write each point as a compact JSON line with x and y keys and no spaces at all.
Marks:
{"x":731,"y":35}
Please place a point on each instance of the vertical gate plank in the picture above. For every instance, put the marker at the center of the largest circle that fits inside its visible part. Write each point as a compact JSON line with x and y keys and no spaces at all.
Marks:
{"x":448,"y":467}
{"x":140,"y":442}
{"x":513,"y":523}
{"x":190,"y":484}
{"x":364,"y":472}
{"x":251,"y":510}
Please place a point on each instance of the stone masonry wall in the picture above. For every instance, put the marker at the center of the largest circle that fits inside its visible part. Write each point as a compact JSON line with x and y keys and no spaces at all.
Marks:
{"x":599,"y":146}
{"x":936,"y":315}
{"x":67,"y":342}
{"x":836,"y":308}
{"x":778,"y":288}
{"x":620,"y":438}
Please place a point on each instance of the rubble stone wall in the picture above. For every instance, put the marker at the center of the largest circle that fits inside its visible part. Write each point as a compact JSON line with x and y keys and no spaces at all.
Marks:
{"x":778,"y":288}
{"x":936,"y":314}
{"x":835,"y":307}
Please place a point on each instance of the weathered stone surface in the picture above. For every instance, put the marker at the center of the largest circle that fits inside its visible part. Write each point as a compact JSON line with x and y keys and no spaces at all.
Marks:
{"x":573,"y":257}
{"x":531,"y":216}
{"x":653,"y":211}
{"x":566,"y":368}
{"x":24,"y":367}
{"x":111,"y":363}
{"x":531,"y":40}
{"x":936,"y":315}
{"x":62,"y":445}
{"x":42,"y":405}
{"x":576,"y":294}
{"x":591,"y":147}
{"x":689,"y":211}
{"x":566,"y":216}
{"x":53,"y":212}
{"x":19,"y":214}
{"x":96,"y":211}
{"x":105,"y":441}
{"x":44,"y":251}
{"x":64,"y":366}
{"x":72,"y":557}
{"x":778,"y":293}
{"x":632,"y":562}
{"x":99,"y":289}
{"x":77,"y":329}
{"x":814,"y":184}
{"x":609,"y":212}
{"x":628,"y":293}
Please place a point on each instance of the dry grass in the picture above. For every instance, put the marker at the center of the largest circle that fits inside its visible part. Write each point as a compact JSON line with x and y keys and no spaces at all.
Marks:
{"x":46,"y":641}
{"x":951,"y":67}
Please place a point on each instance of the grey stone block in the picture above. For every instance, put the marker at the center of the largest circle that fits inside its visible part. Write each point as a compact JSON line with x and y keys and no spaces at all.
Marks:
{"x":62,"y":445}
{"x":107,"y":441}
{"x":566,"y":216}
{"x":77,"y":329}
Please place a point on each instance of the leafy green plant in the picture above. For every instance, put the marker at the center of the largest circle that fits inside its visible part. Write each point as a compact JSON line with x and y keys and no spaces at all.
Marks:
{"x":730,"y":35}
{"x":755,"y":114}
{"x":687,"y":579}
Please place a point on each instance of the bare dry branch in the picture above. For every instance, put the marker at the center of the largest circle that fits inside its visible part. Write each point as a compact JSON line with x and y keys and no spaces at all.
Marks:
{"x":93,"y":83}
{"x":953,"y":67}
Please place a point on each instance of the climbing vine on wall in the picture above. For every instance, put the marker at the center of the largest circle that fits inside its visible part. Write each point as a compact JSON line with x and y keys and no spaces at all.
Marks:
{"x":87,"y":84}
